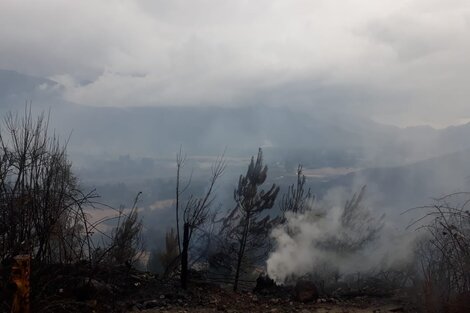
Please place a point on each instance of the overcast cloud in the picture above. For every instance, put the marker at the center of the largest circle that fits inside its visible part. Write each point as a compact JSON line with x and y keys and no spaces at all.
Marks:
{"x":400,"y":61}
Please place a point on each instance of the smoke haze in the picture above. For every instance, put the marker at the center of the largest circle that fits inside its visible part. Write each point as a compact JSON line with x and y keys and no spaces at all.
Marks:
{"x":323,"y":240}
{"x":359,"y":92}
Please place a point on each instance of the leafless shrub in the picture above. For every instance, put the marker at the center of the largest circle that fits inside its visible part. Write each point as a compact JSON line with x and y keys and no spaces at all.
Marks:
{"x":43,"y":213}
{"x":41,"y":205}
{"x":444,"y":256}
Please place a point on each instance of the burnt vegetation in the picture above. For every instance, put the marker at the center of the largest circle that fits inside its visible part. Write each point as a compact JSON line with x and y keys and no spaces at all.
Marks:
{"x":78,"y":265}
{"x":44,"y":214}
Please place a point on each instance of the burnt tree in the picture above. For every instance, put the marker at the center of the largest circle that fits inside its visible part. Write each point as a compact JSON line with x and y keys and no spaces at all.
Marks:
{"x":196,"y":212}
{"x":246,"y":227}
{"x":298,"y":198}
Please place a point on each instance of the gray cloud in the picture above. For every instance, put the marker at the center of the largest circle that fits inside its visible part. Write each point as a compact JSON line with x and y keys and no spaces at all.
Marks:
{"x":402,"y":62}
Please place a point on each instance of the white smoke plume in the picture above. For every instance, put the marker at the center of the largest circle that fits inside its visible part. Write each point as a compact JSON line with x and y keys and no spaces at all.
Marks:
{"x":344,"y":239}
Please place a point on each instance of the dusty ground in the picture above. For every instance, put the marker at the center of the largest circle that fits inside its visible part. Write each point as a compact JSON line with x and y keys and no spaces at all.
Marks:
{"x":226,"y":301}
{"x":320,"y":308}
{"x":80,"y":288}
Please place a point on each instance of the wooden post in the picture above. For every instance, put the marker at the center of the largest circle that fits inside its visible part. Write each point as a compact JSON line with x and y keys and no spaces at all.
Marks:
{"x":20,"y":273}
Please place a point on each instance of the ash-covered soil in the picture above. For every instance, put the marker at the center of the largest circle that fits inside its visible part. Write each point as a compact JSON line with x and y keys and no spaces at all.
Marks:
{"x":81,"y":288}
{"x":209,"y":298}
{"x":230,"y":302}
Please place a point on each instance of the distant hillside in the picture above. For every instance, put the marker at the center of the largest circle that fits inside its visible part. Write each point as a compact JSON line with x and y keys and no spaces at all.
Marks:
{"x":14,"y":86}
{"x":315,"y":138}
{"x":414,"y":184}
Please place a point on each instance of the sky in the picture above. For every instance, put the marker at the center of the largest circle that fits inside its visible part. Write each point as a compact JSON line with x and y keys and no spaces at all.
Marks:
{"x":402,"y":62}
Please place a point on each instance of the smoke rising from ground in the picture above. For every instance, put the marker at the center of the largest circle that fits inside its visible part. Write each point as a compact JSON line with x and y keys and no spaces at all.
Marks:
{"x":334,"y":238}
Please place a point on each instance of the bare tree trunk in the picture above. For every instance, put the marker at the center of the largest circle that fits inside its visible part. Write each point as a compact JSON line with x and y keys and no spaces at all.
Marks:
{"x":241,"y":253}
{"x":178,"y":164}
{"x":184,"y":257}
{"x":195,"y":213}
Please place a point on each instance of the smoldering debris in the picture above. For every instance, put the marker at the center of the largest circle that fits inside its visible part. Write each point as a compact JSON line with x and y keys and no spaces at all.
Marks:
{"x":331,"y":241}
